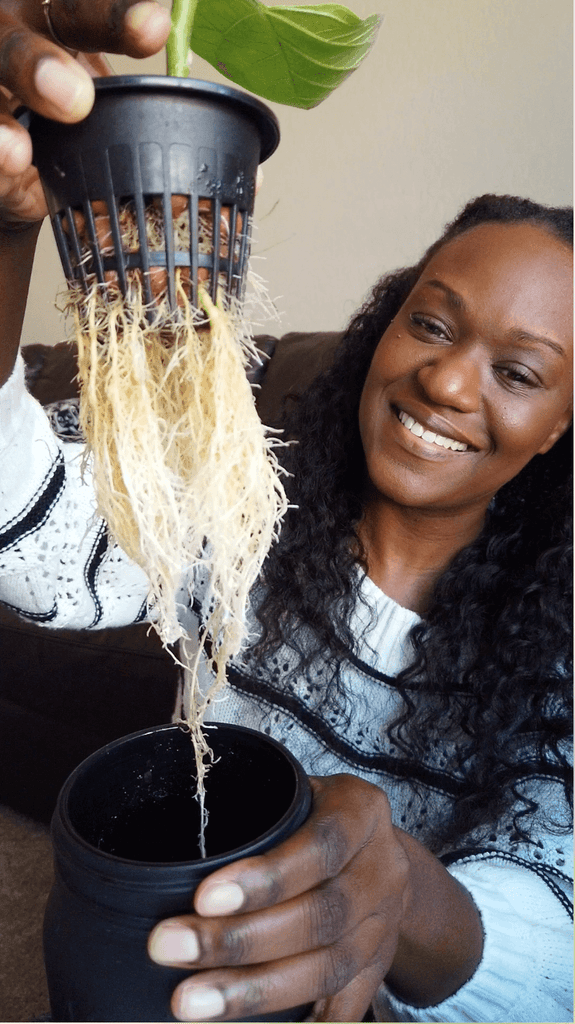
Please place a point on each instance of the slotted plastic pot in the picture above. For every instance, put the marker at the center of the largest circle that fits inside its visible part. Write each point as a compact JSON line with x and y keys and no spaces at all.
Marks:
{"x":149,"y":138}
{"x":125,"y":840}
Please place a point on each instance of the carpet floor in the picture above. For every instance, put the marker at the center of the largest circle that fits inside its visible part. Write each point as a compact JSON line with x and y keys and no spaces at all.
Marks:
{"x":25,"y":880}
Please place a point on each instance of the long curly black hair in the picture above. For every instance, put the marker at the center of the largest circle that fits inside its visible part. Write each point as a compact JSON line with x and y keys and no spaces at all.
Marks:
{"x":492,"y":656}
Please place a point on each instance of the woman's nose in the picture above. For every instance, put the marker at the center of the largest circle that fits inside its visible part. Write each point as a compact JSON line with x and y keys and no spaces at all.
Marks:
{"x":452,"y":379}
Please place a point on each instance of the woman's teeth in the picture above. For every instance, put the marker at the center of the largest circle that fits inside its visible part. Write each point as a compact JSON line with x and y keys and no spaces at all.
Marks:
{"x":416,"y":428}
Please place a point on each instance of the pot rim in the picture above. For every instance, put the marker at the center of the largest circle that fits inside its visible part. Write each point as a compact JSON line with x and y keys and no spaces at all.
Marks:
{"x":262,"y":115}
{"x":62,"y":823}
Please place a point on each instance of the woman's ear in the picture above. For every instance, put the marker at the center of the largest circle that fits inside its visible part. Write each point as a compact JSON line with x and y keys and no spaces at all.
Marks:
{"x":559,"y":429}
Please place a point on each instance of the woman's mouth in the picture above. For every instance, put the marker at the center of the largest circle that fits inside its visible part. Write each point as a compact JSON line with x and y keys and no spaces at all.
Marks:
{"x":428,"y":435}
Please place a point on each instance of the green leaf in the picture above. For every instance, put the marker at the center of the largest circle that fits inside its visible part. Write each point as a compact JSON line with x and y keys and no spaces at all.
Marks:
{"x":292,"y":55}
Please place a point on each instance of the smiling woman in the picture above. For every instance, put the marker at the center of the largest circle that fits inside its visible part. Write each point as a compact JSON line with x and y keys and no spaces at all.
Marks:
{"x":473,"y":344}
{"x":472,"y":378}
{"x":409,"y":644}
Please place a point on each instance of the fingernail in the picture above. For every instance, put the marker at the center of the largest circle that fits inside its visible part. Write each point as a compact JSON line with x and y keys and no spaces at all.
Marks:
{"x":174,"y":943}
{"x":221,"y":898}
{"x":14,"y":150}
{"x":198,"y":1003}
{"x":72,"y":92}
{"x":148,"y":15}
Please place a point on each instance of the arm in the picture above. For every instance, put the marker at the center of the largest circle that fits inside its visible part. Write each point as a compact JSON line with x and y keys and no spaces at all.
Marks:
{"x":440,"y":938}
{"x":526,"y":972}
{"x":56,"y":565}
{"x":17,"y":247}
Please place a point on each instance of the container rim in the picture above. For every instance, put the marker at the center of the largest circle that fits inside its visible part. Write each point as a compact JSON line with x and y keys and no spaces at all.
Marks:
{"x":101,"y":857}
{"x":262,"y":115}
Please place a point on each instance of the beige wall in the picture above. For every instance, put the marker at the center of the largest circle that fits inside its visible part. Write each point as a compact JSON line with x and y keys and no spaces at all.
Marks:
{"x":457,"y":98}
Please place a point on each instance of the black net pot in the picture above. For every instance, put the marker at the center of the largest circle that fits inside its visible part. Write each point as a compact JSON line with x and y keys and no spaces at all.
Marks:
{"x":125,"y":840}
{"x":147,"y":139}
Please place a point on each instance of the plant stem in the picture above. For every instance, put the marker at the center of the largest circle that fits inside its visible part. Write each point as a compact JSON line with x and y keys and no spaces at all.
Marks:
{"x":178,"y":43}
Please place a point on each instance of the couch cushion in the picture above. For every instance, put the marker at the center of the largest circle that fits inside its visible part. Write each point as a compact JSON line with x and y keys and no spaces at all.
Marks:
{"x":297,"y":359}
{"x":288,"y":366}
{"x":51,"y":371}
{"x":64,"y":694}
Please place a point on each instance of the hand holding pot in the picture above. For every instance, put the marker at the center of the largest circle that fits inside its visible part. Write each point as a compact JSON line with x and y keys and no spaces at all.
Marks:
{"x":323,"y":918}
{"x":315,"y":920}
{"x":56,"y":80}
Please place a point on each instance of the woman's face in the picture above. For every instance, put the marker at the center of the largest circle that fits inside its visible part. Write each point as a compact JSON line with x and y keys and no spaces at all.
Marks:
{"x":474,"y":376}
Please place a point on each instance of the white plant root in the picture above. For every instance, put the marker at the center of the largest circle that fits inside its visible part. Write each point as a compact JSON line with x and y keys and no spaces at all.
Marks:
{"x":184,"y":471}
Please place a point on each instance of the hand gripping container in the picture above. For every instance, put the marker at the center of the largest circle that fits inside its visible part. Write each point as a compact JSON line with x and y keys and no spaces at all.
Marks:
{"x":126,"y":856}
{"x":147,"y":139}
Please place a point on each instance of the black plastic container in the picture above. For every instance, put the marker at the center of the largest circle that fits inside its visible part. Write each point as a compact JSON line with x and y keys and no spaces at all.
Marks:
{"x":148,"y":138}
{"x":125,"y":836}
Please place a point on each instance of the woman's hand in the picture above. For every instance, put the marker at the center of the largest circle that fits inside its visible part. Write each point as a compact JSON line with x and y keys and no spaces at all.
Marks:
{"x":316,"y":920}
{"x":323,"y":918}
{"x":37,"y":72}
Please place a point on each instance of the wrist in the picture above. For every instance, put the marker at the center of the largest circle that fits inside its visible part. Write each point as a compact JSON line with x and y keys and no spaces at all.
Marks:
{"x":25,"y":231}
{"x":440,"y":940}
{"x":18,"y":235}
{"x":17,"y":248}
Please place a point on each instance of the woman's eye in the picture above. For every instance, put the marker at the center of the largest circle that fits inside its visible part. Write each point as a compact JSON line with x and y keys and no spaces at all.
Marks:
{"x":518,"y":376}
{"x":428,"y":326}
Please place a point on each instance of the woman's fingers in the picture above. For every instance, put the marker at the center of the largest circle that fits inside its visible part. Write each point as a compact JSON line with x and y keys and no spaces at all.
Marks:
{"x":21,"y":194}
{"x":318,"y":918}
{"x":43,"y":76}
{"x":96,"y":64}
{"x":15,"y":146}
{"x":317,"y":975}
{"x":137,"y":28}
{"x":291,"y":899}
{"x":354,"y":1000}
{"x":309,"y":892}
{"x":37,"y":72}
{"x":321,"y":916}
{"x":318,"y":851}
{"x":21,"y":198}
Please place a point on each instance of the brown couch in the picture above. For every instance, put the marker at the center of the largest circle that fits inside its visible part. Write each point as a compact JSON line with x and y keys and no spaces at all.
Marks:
{"x":64,"y":693}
